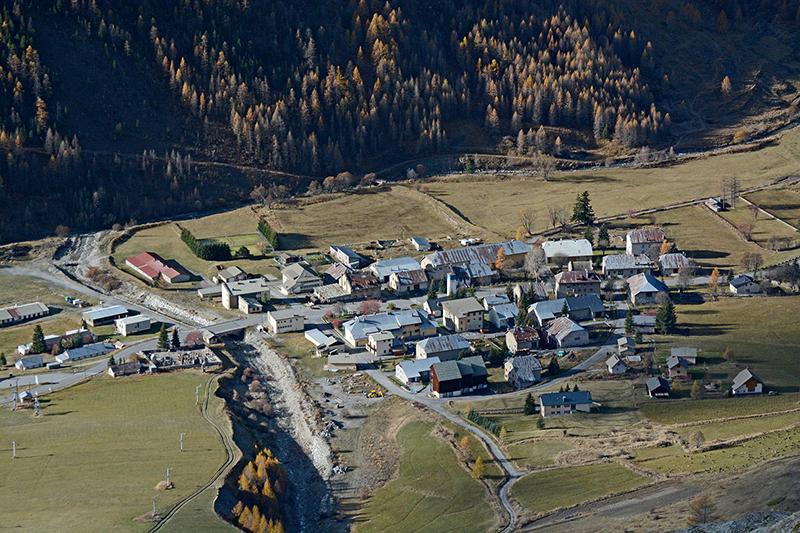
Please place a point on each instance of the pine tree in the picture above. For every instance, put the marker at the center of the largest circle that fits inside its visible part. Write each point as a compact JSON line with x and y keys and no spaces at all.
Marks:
{"x":540,"y":424}
{"x":583,"y":213}
{"x":37,"y":340}
{"x":603,"y":238}
{"x":163,"y":338}
{"x":110,"y":361}
{"x":553,"y":368}
{"x":565,"y":309}
{"x":3,"y":361}
{"x":629,"y":323}
{"x":176,"y":340}
{"x":666,"y":318}
{"x":530,"y":405}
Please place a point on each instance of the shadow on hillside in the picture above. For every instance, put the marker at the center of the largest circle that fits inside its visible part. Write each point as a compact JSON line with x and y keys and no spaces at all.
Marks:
{"x":293,"y":241}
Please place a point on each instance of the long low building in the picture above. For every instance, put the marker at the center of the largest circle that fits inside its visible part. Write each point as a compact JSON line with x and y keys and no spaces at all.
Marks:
{"x":104,"y":315}
{"x":404,"y":325}
{"x":385,"y":268}
{"x":246,"y":295}
{"x":153,"y":268}
{"x":565,"y":403}
{"x":483,"y":254}
{"x":21,"y":313}
{"x":84,"y":352}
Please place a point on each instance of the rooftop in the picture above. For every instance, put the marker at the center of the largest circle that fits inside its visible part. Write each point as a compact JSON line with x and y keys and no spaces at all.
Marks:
{"x":444,"y":343}
{"x":562,"y":326}
{"x":384,"y":268}
{"x":646,"y":235}
{"x":567,"y":248}
{"x":577,"y":276}
{"x":282,"y":314}
{"x":462,"y":306}
{"x":246,"y":287}
{"x":626,"y":261}
{"x":551,"y":399}
{"x":413,"y":368}
{"x":673,"y":261}
{"x":100,"y":313}
{"x":646,"y":283}
{"x":743,"y":377}
{"x":484,"y":254}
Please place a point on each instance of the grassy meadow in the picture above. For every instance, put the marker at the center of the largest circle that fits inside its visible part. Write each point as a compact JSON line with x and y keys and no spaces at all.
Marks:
{"x":99,"y":449}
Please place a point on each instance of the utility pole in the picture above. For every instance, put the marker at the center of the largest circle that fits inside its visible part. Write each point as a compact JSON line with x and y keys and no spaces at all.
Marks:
{"x":37,"y":411}
{"x":155,"y":509}
{"x":182,"y":435}
{"x":13,"y":449}
{"x":197,"y":395}
{"x":169,"y":471}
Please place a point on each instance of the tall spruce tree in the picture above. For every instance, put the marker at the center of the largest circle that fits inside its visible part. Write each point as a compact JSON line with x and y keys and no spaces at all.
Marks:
{"x":666,"y":319}
{"x":583,"y":213}
{"x":163,"y":338}
{"x":37,"y":340}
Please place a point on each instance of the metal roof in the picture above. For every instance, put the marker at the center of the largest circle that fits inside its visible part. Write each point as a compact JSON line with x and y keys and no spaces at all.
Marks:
{"x":657,"y":382}
{"x":462,"y":306}
{"x":673,"y":261}
{"x":444,"y":343}
{"x":105,"y":312}
{"x":646,"y":235}
{"x":484,"y":254}
{"x":646,"y":283}
{"x":551,"y":399}
{"x":384,"y":269}
{"x":413,"y":368}
{"x":743,"y":377}
{"x":741,"y":280}
{"x":562,"y":326}
{"x":626,"y":261}
{"x":567,"y":248}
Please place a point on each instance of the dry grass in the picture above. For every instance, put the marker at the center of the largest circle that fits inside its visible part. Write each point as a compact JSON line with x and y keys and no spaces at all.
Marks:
{"x":783,"y":203}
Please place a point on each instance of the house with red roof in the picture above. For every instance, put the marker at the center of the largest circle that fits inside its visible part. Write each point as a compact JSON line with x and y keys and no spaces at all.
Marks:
{"x":153,"y":267}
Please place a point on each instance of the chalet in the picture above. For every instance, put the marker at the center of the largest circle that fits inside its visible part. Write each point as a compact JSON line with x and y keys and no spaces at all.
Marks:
{"x":641,"y":241}
{"x":561,"y":252}
{"x":463,"y":314}
{"x":131,"y":325}
{"x":438,"y":263}
{"x":30,"y":362}
{"x":21,"y":313}
{"x":626,"y":346}
{"x":503,"y":316}
{"x":384,"y":268}
{"x":564,"y":333}
{"x":626,"y":265}
{"x":454,"y":378}
{"x":577,"y":307}
{"x":408,"y":281}
{"x":671,"y":264}
{"x":361,"y":285}
{"x":577,"y":283}
{"x":521,"y":340}
{"x":346,"y":256}
{"x":104,"y":315}
{"x":746,"y":382}
{"x":125,"y":369}
{"x":686,"y":353}
{"x":335,"y":272}
{"x":404,"y":325}
{"x":229,"y":274}
{"x":643,"y":289}
{"x":298,"y":278}
{"x":522,"y":371}
{"x":152,"y":267}
{"x":415,"y":371}
{"x":534,"y":292}
{"x":247,"y":295}
{"x":743,"y":284}
{"x":420,"y":244}
{"x":657,"y":387}
{"x":677,"y":367}
{"x":565,"y":403}
{"x":615,"y":365}
{"x":380,"y":343}
{"x":285,"y":320}
{"x":444,"y":347}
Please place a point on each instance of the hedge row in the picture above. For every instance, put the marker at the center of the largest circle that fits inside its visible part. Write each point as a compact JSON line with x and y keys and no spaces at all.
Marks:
{"x":270,"y":234}
{"x":486,"y":423}
{"x":210,"y":251}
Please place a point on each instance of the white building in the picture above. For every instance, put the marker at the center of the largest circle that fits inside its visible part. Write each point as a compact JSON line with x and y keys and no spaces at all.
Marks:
{"x":384,"y":268}
{"x":380,"y":343}
{"x":564,"y":333}
{"x":420,"y":244}
{"x":566,"y":250}
{"x":463,"y":314}
{"x":297,"y":278}
{"x":746,"y":382}
{"x":27,"y":363}
{"x":246,"y":295}
{"x":642,"y":240}
{"x":744,"y":284}
{"x":285,"y":320}
{"x":415,"y":371}
{"x":132,"y":324}
{"x":443,"y":347}
{"x":615,"y":365}
{"x":565,"y":403}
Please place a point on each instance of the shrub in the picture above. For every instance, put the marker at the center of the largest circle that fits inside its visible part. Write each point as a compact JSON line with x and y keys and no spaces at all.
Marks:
{"x":270,"y":234}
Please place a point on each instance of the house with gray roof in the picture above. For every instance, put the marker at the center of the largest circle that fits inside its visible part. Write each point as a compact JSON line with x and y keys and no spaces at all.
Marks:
{"x":565,"y":403}
{"x":415,"y":371}
{"x":687,"y":353}
{"x":420,"y":244}
{"x":561,"y":252}
{"x":483,"y":254}
{"x":743,"y":284}
{"x":578,"y":308}
{"x":454,"y":378}
{"x":346,"y":256}
{"x":408,"y":281}
{"x":746,"y":382}
{"x":30,"y":362}
{"x":407,"y":324}
{"x":577,"y":283}
{"x":626,"y":265}
{"x":615,"y":365}
{"x":503,"y":316}
{"x":522,"y":371}
{"x":657,"y":387}
{"x":564,"y":333}
{"x":21,"y":313}
{"x":298,"y":278}
{"x":445,"y":347}
{"x":643,"y":289}
{"x":642,"y":240}
{"x":672,"y":263}
{"x":384,"y":268}
{"x":462,"y":314}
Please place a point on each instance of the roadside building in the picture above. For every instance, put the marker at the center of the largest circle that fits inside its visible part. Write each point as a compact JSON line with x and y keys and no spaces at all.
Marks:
{"x":361,"y":285}
{"x":746,"y":382}
{"x":626,"y":265}
{"x":642,"y":240}
{"x":615,"y":365}
{"x":347,"y":256}
{"x":578,"y":308}
{"x":350,"y":361}
{"x":298,"y":278}
{"x":415,"y":371}
{"x":522,"y":371}
{"x":384,"y":268}
{"x":443,"y":347}
{"x":125,"y":369}
{"x":671,"y":264}
{"x":229,"y":274}
{"x":563,"y":251}
{"x":564,"y":333}
{"x":285,"y":320}
{"x":420,"y":244}
{"x":687,"y":353}
{"x":131,"y":325}
{"x":21,"y":313}
{"x":380,"y":343}
{"x":454,"y":378}
{"x":565,"y":403}
{"x":463,"y":314}
{"x":643,"y":289}
{"x":104,"y":315}
{"x":408,"y":281}
{"x":85,"y":352}
{"x":520,"y":340}
{"x":247,"y":295}
{"x":153,"y":268}
{"x":405,"y":325}
{"x":743,"y":284}
{"x":320,"y":340}
{"x":30,"y":362}
{"x":657,"y":387}
{"x":286,"y":258}
{"x":577,"y":283}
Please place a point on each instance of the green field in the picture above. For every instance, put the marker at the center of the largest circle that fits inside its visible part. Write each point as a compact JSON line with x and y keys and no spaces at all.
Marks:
{"x":302,"y":354}
{"x":564,"y":487}
{"x":693,"y":411}
{"x":762,"y":331}
{"x":12,"y":337}
{"x":763,"y":227}
{"x":431,"y":492}
{"x":494,"y":203}
{"x":672,"y":459}
{"x":93,"y":459}
{"x":736,"y":428}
